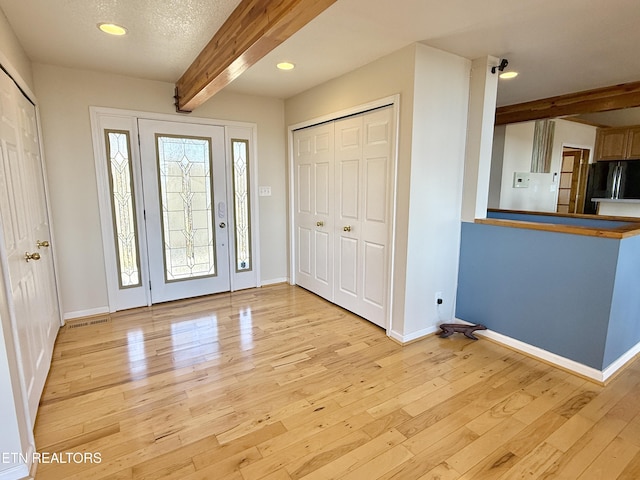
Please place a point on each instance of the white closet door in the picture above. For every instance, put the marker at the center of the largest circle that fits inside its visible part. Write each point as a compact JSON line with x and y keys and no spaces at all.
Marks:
{"x":313,"y":170}
{"x":363,"y":159}
{"x":26,"y":241}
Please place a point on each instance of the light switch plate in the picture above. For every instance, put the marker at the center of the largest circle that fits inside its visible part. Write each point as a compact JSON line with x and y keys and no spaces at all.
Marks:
{"x":264,"y":191}
{"x":521,"y":179}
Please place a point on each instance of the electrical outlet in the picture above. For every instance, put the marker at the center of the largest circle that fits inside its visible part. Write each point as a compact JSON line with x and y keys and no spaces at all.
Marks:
{"x":438,"y":298}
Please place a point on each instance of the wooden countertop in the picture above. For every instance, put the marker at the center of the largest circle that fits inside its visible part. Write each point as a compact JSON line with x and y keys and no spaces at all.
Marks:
{"x":630,"y":228}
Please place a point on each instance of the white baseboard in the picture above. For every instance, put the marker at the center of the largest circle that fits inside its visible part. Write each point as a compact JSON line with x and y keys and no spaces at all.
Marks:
{"x":558,"y":360}
{"x":86,"y":313}
{"x":413,"y":335}
{"x":16,"y":472}
{"x":621,"y":362}
{"x":543,"y":355}
{"x":273,"y":281}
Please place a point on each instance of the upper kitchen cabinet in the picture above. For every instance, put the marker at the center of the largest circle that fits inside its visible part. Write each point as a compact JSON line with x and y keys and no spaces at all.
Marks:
{"x":633,"y":143}
{"x":620,"y":143}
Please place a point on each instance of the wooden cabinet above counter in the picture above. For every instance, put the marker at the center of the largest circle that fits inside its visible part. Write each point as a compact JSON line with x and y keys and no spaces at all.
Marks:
{"x":618,"y":143}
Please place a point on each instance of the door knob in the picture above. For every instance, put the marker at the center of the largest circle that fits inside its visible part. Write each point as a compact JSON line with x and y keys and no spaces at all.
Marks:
{"x":347,"y":228}
{"x":222,"y":225}
{"x":31,"y":256}
{"x":319,"y":224}
{"x":42,"y":243}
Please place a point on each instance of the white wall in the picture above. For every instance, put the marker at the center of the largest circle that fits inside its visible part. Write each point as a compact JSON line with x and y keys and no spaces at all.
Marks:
{"x":542,"y":193}
{"x":433,"y":87}
{"x":12,"y":53}
{"x":441,"y":101}
{"x":64,"y":97}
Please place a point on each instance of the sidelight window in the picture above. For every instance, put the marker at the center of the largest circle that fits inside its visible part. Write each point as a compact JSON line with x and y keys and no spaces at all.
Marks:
{"x":123,"y":207}
{"x":240,"y":162}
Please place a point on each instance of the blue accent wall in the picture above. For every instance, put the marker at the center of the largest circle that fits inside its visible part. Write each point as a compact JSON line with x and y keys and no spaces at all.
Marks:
{"x":624,"y":324}
{"x":552,"y":290}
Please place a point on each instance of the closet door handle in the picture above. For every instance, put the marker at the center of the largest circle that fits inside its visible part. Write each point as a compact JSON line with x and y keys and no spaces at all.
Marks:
{"x":31,"y":256}
{"x":320,"y":224}
{"x":347,"y":228}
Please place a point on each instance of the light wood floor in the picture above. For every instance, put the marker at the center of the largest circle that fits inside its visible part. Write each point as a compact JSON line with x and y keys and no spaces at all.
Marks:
{"x":276,"y":383}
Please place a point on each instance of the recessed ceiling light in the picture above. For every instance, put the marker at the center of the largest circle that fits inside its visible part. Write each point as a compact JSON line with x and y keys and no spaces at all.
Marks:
{"x":508,"y":75}
{"x":112,"y":29}
{"x":286,"y":66}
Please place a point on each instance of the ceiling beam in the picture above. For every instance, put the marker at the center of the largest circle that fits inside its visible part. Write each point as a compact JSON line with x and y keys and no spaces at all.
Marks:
{"x":588,"y":101}
{"x":253,"y":29}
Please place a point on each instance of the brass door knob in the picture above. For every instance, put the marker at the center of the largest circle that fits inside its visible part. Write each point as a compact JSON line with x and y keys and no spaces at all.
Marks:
{"x":31,"y":256}
{"x":43,"y":243}
{"x":347,"y":228}
{"x":319,"y":224}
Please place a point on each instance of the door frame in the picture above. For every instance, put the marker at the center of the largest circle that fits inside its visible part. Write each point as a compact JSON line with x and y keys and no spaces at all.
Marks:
{"x":392,"y":101}
{"x":97,"y":114}
{"x":590,"y":160}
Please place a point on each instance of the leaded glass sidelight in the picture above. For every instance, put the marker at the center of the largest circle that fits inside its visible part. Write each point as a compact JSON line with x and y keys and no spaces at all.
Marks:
{"x":184,"y":166}
{"x":123,"y":207}
{"x":240,"y":153}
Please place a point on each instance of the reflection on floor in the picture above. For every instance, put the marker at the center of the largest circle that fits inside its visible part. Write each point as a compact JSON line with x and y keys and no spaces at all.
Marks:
{"x":276,"y":383}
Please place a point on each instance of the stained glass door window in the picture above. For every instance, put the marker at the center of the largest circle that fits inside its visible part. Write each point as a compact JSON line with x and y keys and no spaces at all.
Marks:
{"x":185,"y":187}
{"x":240,"y":166}
{"x":123,"y":207}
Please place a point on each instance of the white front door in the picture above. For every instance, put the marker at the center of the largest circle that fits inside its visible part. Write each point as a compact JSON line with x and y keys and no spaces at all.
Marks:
{"x":26,"y":241}
{"x":313,"y":164}
{"x":184,"y":186}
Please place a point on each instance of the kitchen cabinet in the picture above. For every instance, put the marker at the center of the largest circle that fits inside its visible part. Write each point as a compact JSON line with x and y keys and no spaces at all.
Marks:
{"x":633,"y":143}
{"x":618,"y":143}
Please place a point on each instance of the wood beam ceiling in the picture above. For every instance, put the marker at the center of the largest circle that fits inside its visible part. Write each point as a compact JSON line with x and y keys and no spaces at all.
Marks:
{"x":588,"y":101}
{"x":253,"y":29}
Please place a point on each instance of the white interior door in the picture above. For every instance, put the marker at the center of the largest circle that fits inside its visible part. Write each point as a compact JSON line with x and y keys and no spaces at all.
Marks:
{"x":362,"y":218}
{"x":184,"y":189}
{"x":25,"y":230}
{"x":342,"y":218}
{"x":313,"y":164}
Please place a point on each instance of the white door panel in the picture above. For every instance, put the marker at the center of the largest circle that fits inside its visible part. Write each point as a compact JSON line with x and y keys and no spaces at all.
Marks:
{"x":364,"y":156}
{"x":375,"y":190}
{"x":304,"y":190}
{"x":313,"y":164}
{"x":373,"y":292}
{"x":322,"y":266}
{"x":348,"y":260}
{"x":322,"y":189}
{"x":25,"y":231}
{"x":305,"y":250}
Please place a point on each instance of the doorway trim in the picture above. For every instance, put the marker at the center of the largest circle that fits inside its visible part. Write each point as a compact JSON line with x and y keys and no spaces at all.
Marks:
{"x":104,"y":200}
{"x":394,"y":102}
{"x":575,"y":146}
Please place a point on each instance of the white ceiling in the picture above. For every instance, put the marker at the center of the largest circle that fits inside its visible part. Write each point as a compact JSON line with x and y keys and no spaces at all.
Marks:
{"x":558,"y":46}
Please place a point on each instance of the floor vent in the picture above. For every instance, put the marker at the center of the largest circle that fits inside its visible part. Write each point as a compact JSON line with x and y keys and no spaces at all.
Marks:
{"x":88,"y":323}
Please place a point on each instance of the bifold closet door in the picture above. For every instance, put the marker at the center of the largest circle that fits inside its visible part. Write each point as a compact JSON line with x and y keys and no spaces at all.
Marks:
{"x":363,"y":147}
{"x":314,"y":192}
